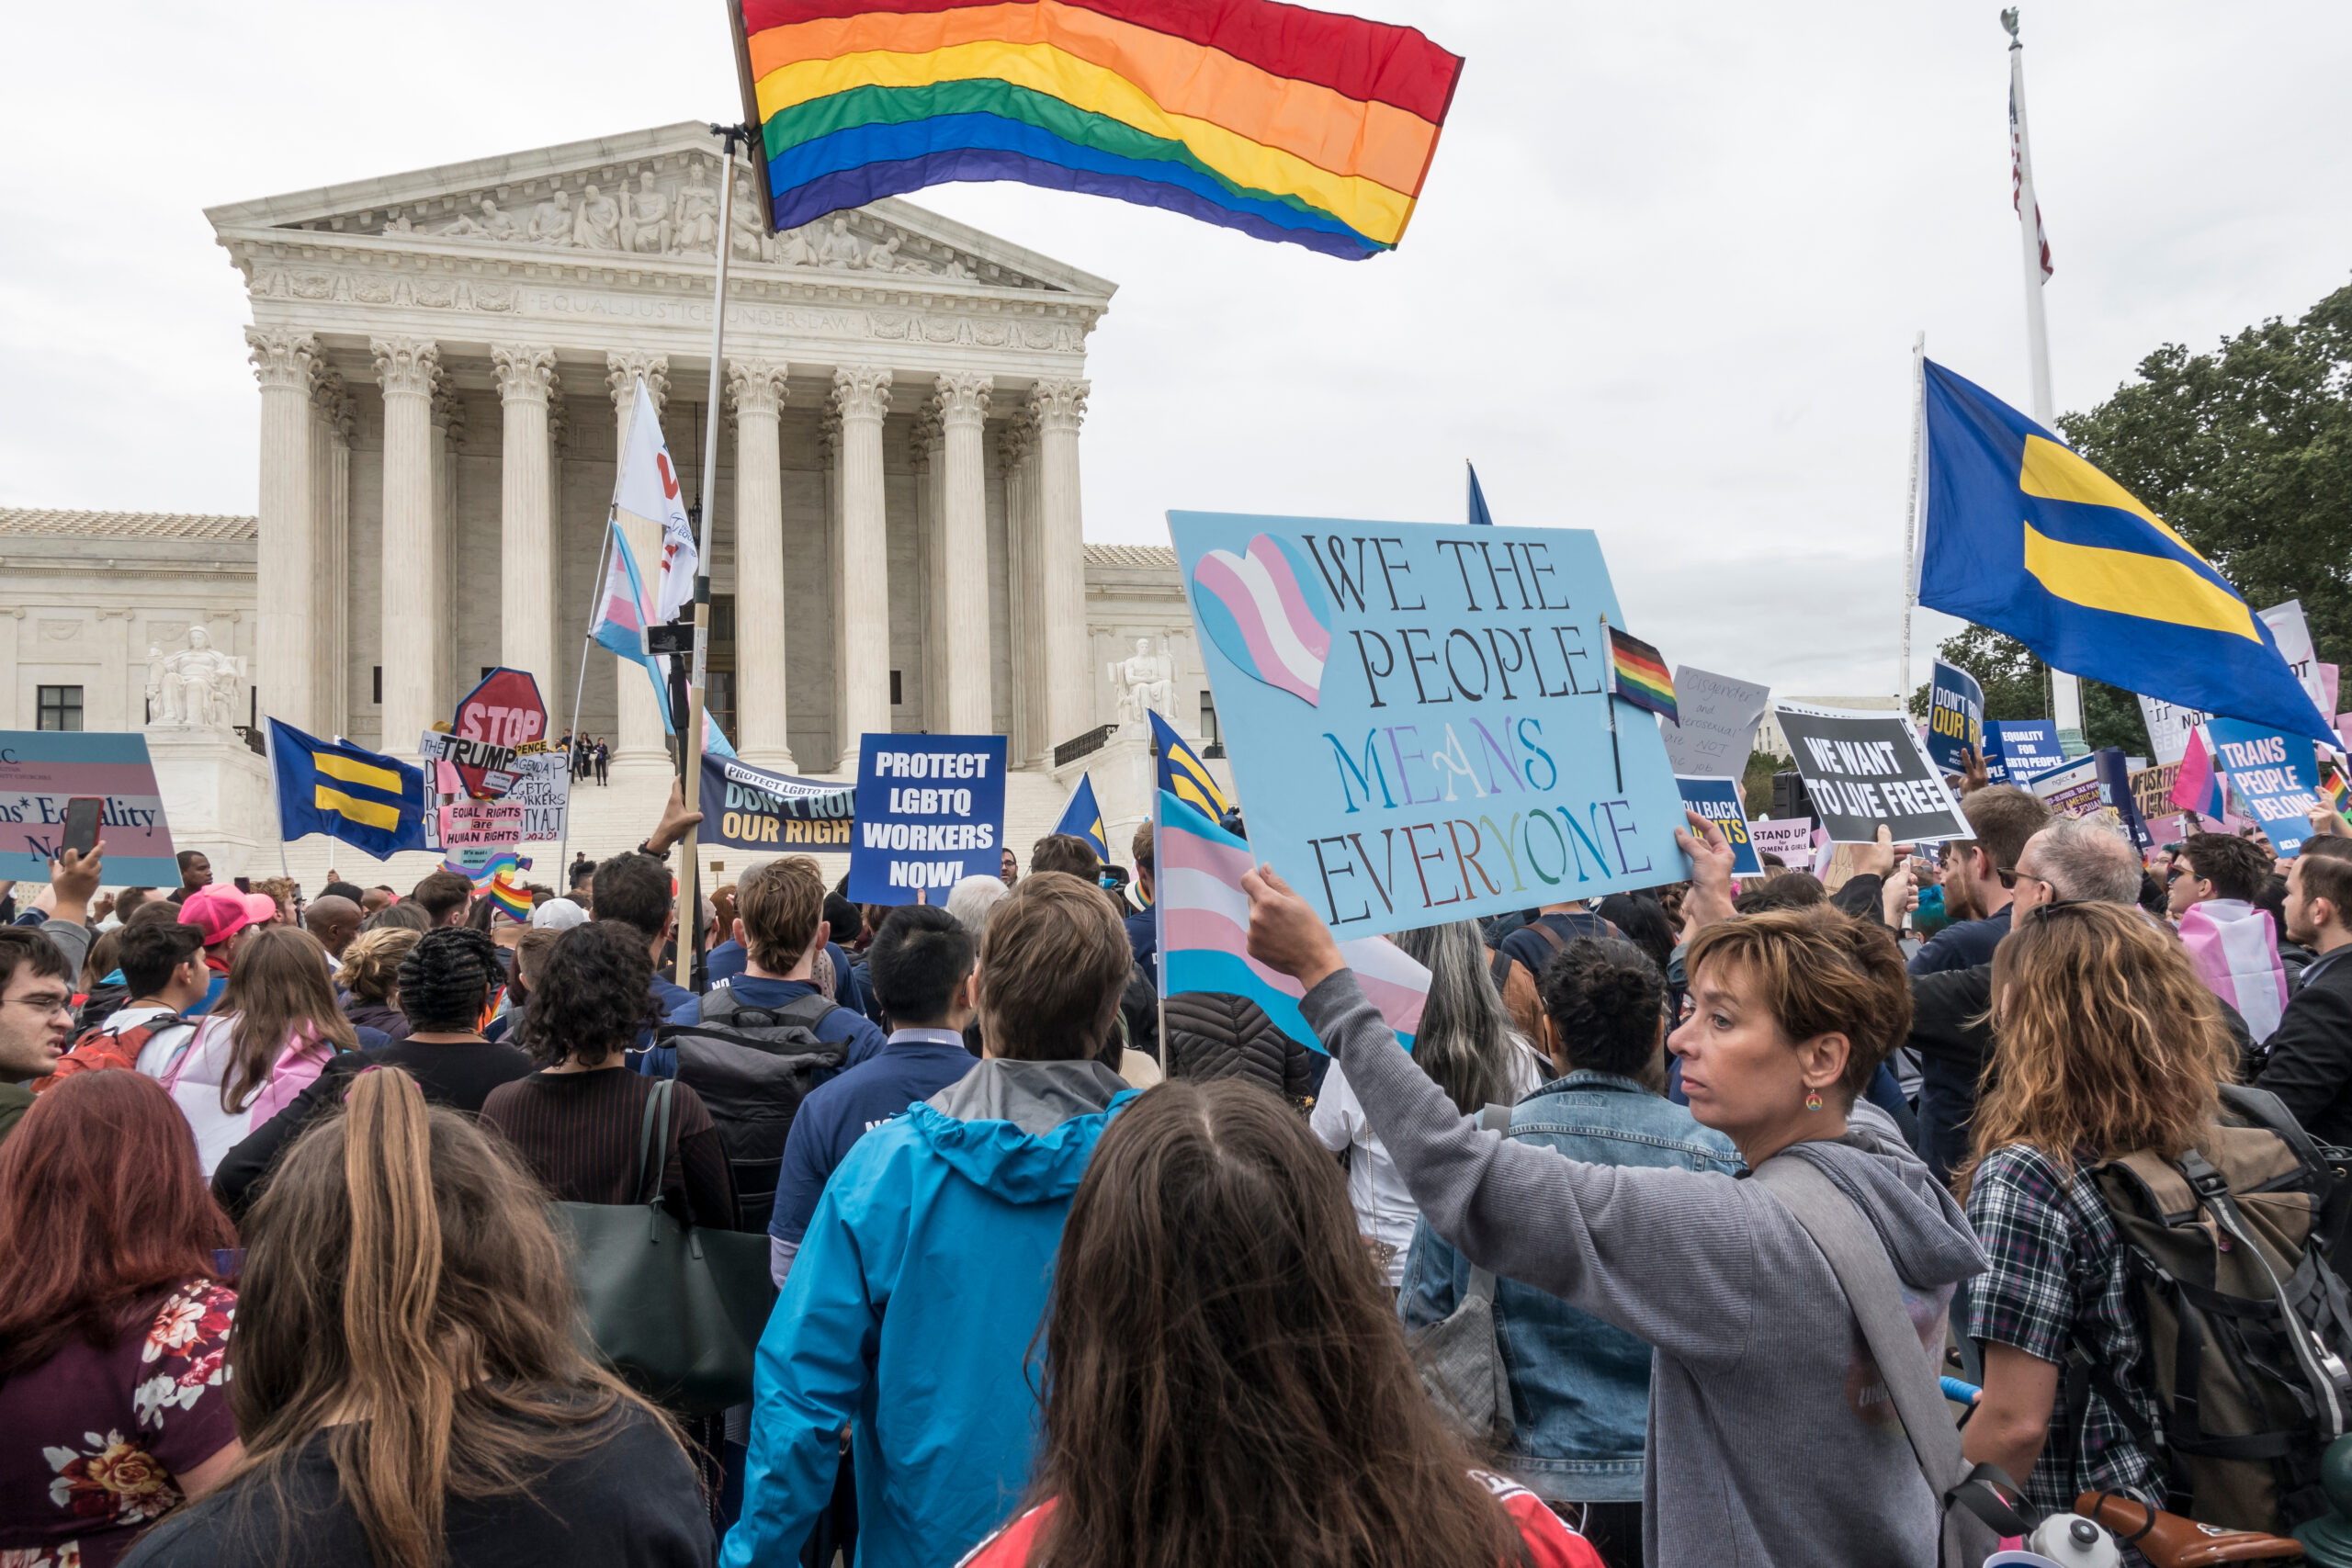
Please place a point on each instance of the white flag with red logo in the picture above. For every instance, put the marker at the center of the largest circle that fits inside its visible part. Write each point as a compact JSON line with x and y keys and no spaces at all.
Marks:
{"x":649,"y":490}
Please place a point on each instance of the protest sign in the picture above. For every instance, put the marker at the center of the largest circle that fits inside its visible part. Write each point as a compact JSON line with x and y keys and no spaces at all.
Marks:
{"x":2070,"y":789}
{"x":1719,"y":719}
{"x":2169,"y":728}
{"x":481,"y":824}
{"x":1791,"y":839}
{"x":1955,"y":717}
{"x":1716,"y":799}
{"x":2152,"y":792}
{"x":2027,"y":747}
{"x":40,"y":770}
{"x":2274,"y":774}
{"x":1862,"y":769}
{"x":543,"y":789}
{"x":2115,"y":789}
{"x":750,"y":809}
{"x":930,"y":813}
{"x":2294,"y":634}
{"x":1417,"y":718}
{"x":497,"y":718}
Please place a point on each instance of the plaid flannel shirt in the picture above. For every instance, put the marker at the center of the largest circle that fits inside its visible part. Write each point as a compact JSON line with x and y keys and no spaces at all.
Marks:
{"x":2057,"y":1284}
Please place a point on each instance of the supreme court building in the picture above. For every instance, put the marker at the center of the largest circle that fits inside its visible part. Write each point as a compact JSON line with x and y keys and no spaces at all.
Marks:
{"x":444,"y":358}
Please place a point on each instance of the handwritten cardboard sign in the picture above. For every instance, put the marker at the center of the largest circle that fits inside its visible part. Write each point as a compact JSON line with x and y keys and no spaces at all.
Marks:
{"x":1417,"y":714}
{"x":1719,"y":719}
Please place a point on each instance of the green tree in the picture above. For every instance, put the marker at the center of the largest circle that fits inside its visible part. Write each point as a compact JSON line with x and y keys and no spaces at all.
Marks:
{"x":1756,"y":781}
{"x":2247,"y":453}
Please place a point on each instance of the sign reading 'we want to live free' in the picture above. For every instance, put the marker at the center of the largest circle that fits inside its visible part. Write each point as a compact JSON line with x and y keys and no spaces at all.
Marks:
{"x":1416,"y":719}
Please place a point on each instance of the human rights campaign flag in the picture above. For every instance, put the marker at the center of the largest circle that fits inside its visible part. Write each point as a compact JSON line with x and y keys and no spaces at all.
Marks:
{"x":1184,"y":775}
{"x":372,"y":802}
{"x":1083,"y":820}
{"x":2022,"y":536}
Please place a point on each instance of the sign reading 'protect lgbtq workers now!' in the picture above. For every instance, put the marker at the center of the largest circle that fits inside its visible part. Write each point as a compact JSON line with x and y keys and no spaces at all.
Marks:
{"x":1417,"y":716}
{"x":930,"y":813}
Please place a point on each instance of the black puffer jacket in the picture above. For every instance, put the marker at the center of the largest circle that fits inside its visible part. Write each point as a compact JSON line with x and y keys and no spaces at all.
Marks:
{"x":1214,"y":1036}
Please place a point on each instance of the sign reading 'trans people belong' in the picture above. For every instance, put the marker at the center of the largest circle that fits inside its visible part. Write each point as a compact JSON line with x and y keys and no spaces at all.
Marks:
{"x":1416,"y":719}
{"x":930,"y":812}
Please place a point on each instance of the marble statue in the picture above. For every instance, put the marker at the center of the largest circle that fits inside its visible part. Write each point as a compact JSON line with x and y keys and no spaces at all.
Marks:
{"x":598,"y":226}
{"x":697,"y":226}
{"x":193,"y":687}
{"x":492,"y":225}
{"x":839,"y":248}
{"x":1143,"y":681}
{"x":882,"y":257}
{"x":645,"y":218}
{"x":957,"y":269}
{"x":551,"y":220}
{"x":794,"y":248}
{"x":752,"y":241}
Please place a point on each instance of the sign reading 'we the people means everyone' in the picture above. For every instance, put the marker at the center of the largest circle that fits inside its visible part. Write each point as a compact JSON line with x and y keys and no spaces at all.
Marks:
{"x":1417,"y":718}
{"x":930,"y":813}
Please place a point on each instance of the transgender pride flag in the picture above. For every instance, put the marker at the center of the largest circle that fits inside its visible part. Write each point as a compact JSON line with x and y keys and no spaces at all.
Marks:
{"x":1204,"y":918}
{"x":624,"y":609}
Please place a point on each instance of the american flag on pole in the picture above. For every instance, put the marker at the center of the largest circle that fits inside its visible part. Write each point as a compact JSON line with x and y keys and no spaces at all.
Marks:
{"x":2016,"y":184}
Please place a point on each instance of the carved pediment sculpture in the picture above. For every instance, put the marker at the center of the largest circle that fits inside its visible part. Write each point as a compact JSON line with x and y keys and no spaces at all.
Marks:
{"x":194,"y":686}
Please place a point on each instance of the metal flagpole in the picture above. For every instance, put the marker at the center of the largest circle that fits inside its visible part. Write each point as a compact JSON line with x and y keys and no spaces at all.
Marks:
{"x":2065,"y":691}
{"x":579,"y":690}
{"x":277,"y":806}
{"x":1911,"y":520}
{"x":690,"y":743}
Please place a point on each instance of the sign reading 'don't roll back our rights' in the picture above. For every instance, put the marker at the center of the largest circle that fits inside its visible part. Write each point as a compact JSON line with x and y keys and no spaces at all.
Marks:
{"x":1862,"y":769}
{"x":746,"y":807}
{"x":930,"y":813}
{"x":1417,"y":716}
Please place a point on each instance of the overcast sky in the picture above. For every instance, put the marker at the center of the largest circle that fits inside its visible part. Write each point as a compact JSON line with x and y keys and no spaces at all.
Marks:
{"x":1662,"y":282}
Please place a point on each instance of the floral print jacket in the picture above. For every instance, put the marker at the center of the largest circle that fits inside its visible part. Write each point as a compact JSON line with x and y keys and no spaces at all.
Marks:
{"x":91,"y":1440}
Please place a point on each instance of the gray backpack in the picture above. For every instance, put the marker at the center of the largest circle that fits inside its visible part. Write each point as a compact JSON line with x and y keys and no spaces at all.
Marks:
{"x":753,"y":1067}
{"x":1461,"y":1364}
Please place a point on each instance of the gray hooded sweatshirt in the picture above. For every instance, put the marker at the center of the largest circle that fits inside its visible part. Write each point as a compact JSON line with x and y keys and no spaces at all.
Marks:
{"x":1773,"y":1443}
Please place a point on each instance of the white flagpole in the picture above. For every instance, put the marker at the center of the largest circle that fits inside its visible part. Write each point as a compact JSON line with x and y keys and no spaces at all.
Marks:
{"x":1911,"y":520}
{"x":2065,"y":691}
{"x":690,"y":743}
{"x":579,"y":690}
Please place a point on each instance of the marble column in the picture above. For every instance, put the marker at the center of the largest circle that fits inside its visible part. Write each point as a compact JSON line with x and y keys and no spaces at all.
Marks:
{"x":415,"y":611}
{"x":756,"y":386}
{"x":1017,"y":453}
{"x":448,"y":441}
{"x":286,"y":557}
{"x":1060,"y":407}
{"x":526,"y":514}
{"x":332,"y":423}
{"x":963,"y":403}
{"x":640,"y":748}
{"x":861,"y":610}
{"x":924,"y":457}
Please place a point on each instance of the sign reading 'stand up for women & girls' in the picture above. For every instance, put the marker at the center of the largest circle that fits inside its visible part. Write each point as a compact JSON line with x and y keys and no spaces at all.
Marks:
{"x":1416,"y":719}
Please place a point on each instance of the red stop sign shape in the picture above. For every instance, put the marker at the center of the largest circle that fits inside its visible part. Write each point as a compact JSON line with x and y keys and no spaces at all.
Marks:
{"x":496,"y":719}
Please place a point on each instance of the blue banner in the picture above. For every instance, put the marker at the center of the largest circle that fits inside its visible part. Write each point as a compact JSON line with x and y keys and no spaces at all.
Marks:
{"x":1717,"y":800}
{"x":1955,"y":717}
{"x":2275,"y":775}
{"x":2022,"y":750}
{"x":1417,"y":714}
{"x":930,"y":813}
{"x":746,"y":807}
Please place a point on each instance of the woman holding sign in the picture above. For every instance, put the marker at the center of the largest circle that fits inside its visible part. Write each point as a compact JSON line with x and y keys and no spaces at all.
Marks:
{"x":1778,"y":1427}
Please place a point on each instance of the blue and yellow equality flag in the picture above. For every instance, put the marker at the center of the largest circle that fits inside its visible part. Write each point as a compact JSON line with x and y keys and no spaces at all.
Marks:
{"x":1083,"y":819}
{"x":2020,"y":534}
{"x":1184,"y":775}
{"x":372,"y":802}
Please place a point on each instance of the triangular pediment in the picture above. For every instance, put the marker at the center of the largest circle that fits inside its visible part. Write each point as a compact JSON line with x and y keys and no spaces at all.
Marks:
{"x":648,"y":197}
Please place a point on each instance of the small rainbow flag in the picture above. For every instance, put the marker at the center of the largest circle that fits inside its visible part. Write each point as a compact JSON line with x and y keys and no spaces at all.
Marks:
{"x":506,"y":862}
{"x":1282,"y":122}
{"x":2333,"y":795}
{"x":515,"y":901}
{"x":1640,"y":674}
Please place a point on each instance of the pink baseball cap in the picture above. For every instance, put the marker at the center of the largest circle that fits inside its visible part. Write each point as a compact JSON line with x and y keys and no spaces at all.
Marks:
{"x":220,"y":911}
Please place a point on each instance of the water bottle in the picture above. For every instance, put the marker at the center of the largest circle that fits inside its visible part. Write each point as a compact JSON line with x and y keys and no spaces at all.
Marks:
{"x":2071,"y":1540}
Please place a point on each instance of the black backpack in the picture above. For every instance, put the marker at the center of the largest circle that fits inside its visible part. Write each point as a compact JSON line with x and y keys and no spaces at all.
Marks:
{"x":2248,"y":1327}
{"x":752,"y":1066}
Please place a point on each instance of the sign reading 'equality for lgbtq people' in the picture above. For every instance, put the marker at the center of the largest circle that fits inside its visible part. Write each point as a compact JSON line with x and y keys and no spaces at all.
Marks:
{"x":1417,"y":717}
{"x":930,"y":813}
{"x":40,"y":770}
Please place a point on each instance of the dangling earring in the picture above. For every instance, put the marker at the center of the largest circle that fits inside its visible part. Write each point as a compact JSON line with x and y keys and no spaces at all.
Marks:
{"x":1813,"y":1100}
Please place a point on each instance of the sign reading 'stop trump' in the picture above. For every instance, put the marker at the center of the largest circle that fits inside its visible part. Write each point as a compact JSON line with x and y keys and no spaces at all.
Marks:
{"x":1417,"y":717}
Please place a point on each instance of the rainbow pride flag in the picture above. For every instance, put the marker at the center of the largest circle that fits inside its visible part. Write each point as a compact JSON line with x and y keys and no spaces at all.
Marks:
{"x":1280,"y":121}
{"x":1639,"y":675}
{"x":2333,"y":793}
{"x":515,"y":901}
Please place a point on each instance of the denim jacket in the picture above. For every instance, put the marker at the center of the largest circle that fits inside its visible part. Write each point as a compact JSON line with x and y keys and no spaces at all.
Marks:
{"x":1579,"y":1388}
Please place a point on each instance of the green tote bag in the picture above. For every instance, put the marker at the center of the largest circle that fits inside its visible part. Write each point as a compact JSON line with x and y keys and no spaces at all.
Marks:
{"x":675,"y":1310}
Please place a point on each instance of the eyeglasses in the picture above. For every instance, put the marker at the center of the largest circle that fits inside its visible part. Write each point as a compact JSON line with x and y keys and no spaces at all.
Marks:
{"x":2009,"y":875}
{"x":50,"y":1003}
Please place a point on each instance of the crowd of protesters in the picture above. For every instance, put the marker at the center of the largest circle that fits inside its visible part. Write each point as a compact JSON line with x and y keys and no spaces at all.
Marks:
{"x":1062,"y":1274}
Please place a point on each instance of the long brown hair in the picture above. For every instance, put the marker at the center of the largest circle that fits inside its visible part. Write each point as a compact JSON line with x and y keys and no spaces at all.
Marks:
{"x":1226,"y":1378}
{"x":278,"y":997}
{"x":2105,"y":1041}
{"x":403,"y":1292}
{"x":103,"y":1209}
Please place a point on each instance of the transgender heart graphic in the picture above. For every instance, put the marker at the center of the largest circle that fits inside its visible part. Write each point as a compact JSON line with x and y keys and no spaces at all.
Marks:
{"x":1266,"y":612}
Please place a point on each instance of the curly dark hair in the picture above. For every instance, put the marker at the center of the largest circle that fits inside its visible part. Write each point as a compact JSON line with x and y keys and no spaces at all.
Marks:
{"x":594,"y":997}
{"x":1793,"y":890}
{"x":1605,"y":997}
{"x":446,"y":979}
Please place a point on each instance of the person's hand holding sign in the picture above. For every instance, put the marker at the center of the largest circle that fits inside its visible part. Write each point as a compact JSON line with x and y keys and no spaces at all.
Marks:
{"x":1711,"y":856}
{"x":1285,"y":933}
